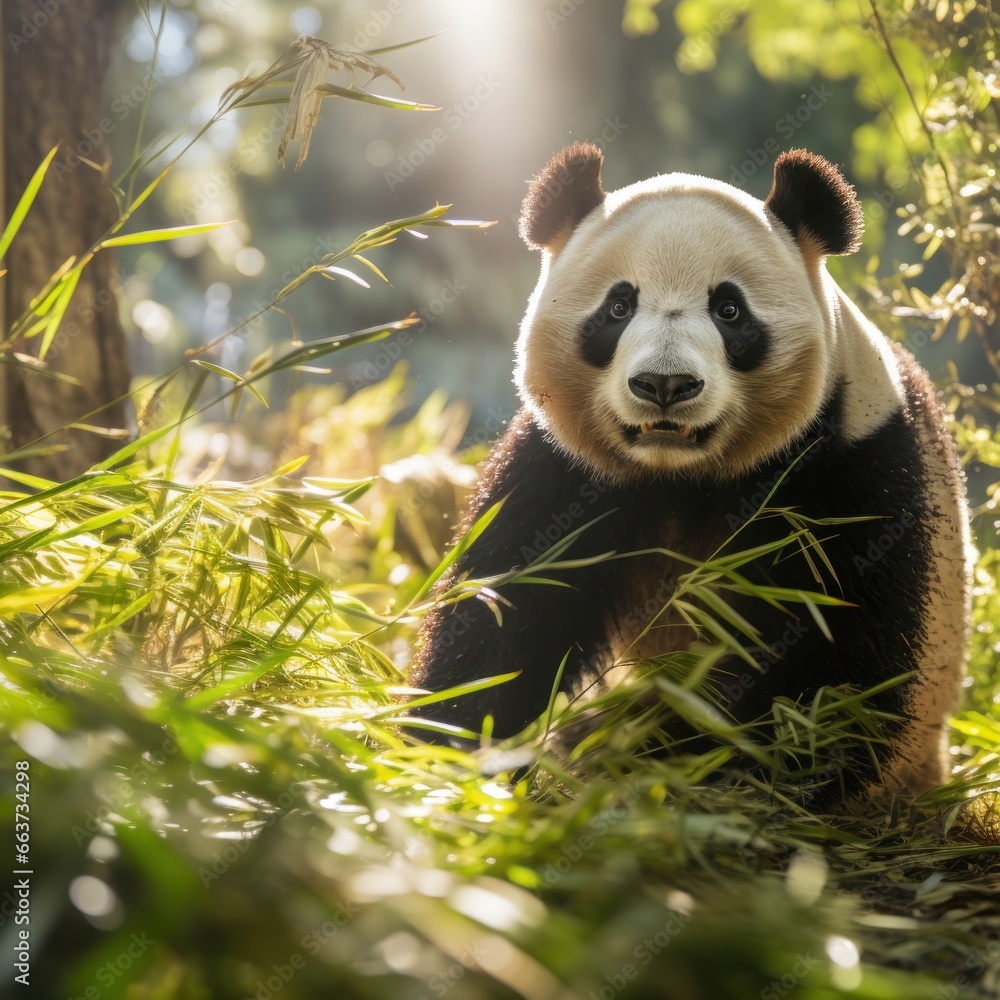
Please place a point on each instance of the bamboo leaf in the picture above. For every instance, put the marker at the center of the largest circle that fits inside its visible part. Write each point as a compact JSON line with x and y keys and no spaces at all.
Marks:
{"x":817,"y":617}
{"x":354,"y":94}
{"x":699,"y":618}
{"x":468,"y":539}
{"x":218,"y":370}
{"x":728,"y":614}
{"x":113,"y":433}
{"x":38,"y":599}
{"x":50,"y":291}
{"x":34,"y":482}
{"x":59,"y":308}
{"x":401,"y":45}
{"x":331,"y":271}
{"x":126,"y":614}
{"x":227,"y":688}
{"x":458,"y":691}
{"x":369,"y":264}
{"x":35,"y":367}
{"x":24,"y":203}
{"x":159,"y":235}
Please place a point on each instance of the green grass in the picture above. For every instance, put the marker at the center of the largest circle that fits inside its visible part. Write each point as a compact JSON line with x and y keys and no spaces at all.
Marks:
{"x":204,"y":678}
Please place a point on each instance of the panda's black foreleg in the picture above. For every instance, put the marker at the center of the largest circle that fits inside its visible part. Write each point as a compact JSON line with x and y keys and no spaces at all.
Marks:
{"x":540,"y":624}
{"x":465,"y":642}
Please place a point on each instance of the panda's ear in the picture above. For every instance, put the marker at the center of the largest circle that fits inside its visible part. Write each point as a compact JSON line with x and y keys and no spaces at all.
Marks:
{"x":561,"y":195}
{"x":819,"y":207}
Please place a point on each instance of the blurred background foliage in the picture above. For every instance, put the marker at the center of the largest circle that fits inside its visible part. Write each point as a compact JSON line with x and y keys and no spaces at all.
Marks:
{"x":715,"y":87}
{"x":204,"y":641}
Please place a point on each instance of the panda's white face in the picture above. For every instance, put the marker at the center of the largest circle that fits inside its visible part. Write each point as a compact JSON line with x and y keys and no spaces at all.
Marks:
{"x":677,"y":329}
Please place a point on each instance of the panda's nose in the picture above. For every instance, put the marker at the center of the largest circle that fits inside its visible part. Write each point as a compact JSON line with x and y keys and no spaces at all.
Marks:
{"x":665,"y":390}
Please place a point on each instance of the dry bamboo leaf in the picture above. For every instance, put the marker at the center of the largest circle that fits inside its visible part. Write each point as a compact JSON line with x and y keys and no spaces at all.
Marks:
{"x":303,"y":105}
{"x":311,"y":58}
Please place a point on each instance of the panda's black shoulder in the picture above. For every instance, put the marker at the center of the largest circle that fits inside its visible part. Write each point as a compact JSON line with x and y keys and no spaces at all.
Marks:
{"x":529,"y":472}
{"x":526,"y":461}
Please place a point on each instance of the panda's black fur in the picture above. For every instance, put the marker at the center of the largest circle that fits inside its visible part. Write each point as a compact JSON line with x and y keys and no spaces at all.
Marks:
{"x":888,"y":564}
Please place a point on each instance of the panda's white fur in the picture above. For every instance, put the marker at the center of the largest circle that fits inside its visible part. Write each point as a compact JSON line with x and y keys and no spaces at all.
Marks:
{"x":806,"y":369}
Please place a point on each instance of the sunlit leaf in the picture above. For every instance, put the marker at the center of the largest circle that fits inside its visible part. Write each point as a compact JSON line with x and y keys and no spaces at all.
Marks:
{"x":25,"y":202}
{"x":158,"y":235}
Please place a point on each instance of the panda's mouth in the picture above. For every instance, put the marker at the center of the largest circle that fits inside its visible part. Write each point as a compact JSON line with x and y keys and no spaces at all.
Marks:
{"x":667,"y":432}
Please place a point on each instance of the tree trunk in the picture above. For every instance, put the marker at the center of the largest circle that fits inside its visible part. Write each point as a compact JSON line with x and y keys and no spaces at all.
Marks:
{"x":55,"y":55}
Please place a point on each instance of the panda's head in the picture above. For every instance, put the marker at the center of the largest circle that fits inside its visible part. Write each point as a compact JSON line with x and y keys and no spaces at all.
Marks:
{"x":679,"y":324}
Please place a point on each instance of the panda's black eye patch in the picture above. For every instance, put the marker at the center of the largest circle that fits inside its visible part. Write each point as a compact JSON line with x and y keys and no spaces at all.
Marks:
{"x":745,"y":338}
{"x":602,"y":329}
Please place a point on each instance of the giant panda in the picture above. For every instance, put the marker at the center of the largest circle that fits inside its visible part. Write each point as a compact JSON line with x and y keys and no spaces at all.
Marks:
{"x":684,"y":354}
